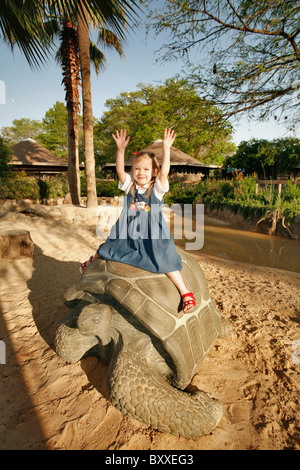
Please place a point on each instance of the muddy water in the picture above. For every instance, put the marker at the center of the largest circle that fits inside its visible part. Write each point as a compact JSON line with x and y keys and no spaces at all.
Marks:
{"x":223,"y":241}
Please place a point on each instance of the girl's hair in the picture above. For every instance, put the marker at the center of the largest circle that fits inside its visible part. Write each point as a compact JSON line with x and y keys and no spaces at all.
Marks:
{"x":155,"y":169}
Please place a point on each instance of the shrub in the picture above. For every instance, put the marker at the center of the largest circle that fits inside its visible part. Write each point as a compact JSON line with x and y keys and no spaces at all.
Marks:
{"x":239,"y":196}
{"x":57,"y":186}
{"x":103,"y":188}
{"x":5,"y":156}
{"x":108,"y":189}
{"x":21,"y":186}
{"x":290,"y":209}
{"x":177,"y":195}
{"x":291,"y":192}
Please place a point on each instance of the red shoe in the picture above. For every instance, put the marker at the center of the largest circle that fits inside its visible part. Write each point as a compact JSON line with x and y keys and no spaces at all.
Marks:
{"x":189,"y":304}
{"x":85,"y":264}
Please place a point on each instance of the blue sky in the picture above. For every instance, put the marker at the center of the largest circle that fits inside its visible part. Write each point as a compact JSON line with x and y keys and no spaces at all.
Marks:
{"x":29,"y":93}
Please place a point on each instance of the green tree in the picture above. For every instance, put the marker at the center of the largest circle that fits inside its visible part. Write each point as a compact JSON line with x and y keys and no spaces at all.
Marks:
{"x":5,"y":157}
{"x":244,"y":55}
{"x":266,"y":158}
{"x":55,"y":130}
{"x":146,"y":112}
{"x":23,"y":128}
{"x":288,"y":152}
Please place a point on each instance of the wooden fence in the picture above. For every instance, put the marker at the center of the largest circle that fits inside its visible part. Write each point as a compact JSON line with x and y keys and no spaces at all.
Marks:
{"x":275,"y":184}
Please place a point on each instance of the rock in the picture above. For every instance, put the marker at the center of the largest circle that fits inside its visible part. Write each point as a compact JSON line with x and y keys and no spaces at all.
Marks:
{"x":16,"y":244}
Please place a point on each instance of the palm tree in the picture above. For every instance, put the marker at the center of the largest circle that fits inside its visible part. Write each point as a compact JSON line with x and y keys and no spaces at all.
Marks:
{"x":22,"y":23}
{"x":85,"y":60}
{"x":70,"y":50}
{"x":69,"y":59}
{"x":107,"y":37}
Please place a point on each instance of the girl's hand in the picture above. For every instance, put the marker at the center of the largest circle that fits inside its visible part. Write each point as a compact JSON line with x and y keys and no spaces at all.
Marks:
{"x":120,"y":139}
{"x":169,"y":138}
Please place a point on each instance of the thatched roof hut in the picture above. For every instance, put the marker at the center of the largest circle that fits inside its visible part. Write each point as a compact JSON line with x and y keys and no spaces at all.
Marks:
{"x":177,"y":156}
{"x":181,"y":163}
{"x":35,"y":159}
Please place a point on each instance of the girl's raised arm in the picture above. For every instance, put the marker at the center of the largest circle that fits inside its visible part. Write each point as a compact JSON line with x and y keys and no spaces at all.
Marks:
{"x":169,"y":137}
{"x":121,"y":142}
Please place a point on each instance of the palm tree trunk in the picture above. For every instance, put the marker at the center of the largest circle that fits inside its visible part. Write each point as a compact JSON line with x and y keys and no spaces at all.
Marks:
{"x":73,"y":157}
{"x":85,"y":64}
{"x":71,"y":80}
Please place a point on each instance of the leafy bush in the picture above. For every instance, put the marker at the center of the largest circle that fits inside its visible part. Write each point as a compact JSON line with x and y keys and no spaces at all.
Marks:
{"x":53,"y":187}
{"x":21,"y":186}
{"x":291,"y":192}
{"x":104,"y":188}
{"x":290,"y":209}
{"x":5,"y":156}
{"x":108,"y":189}
{"x":244,"y":187}
{"x":57,"y":186}
{"x":239,"y":196}
{"x":177,"y":195}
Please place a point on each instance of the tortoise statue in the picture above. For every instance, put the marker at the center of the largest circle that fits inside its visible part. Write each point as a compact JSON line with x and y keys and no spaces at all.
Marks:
{"x":130,"y":319}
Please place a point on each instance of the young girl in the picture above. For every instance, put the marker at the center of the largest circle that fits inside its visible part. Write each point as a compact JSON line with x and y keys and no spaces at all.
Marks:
{"x":141,"y":236}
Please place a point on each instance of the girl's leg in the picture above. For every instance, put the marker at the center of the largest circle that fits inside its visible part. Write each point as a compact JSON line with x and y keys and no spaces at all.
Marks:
{"x":178,"y":281}
{"x":84,"y":265}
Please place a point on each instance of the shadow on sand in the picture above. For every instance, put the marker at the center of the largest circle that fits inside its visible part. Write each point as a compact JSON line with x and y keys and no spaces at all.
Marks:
{"x":50,"y":280}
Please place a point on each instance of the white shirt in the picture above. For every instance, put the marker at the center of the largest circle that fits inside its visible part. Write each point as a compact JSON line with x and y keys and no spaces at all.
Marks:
{"x":158,"y":190}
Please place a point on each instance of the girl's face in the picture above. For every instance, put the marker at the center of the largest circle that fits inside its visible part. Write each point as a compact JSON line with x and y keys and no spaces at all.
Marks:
{"x":142,"y":170}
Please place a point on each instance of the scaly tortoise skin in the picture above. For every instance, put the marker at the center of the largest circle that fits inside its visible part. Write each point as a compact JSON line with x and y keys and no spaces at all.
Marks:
{"x":130,"y":319}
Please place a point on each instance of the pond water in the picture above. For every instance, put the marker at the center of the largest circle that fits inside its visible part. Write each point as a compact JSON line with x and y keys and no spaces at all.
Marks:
{"x":218,"y":238}
{"x":223,"y":241}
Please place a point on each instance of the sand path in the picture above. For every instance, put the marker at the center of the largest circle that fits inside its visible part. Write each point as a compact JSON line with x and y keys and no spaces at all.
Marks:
{"x":46,"y":403}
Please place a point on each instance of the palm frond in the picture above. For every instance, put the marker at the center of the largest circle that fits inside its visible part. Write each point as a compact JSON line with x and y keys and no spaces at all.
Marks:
{"x":109,"y":39}
{"x":97,"y":58}
{"x":22,"y":22}
{"x":21,"y":25}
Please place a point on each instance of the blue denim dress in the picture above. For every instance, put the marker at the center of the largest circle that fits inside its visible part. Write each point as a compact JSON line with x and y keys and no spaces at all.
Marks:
{"x":141,"y":236}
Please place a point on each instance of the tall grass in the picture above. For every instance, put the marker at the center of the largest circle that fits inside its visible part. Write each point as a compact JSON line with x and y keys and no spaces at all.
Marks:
{"x":239,"y":195}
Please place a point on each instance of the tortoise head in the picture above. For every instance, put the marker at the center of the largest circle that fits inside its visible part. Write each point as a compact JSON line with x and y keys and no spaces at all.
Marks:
{"x":95,"y":319}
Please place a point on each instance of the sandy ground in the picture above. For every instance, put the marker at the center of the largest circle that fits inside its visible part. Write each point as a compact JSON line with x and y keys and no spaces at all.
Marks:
{"x":48,"y":404}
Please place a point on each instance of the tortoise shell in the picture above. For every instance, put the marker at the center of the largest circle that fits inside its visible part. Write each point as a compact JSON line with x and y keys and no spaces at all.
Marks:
{"x":154,"y":301}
